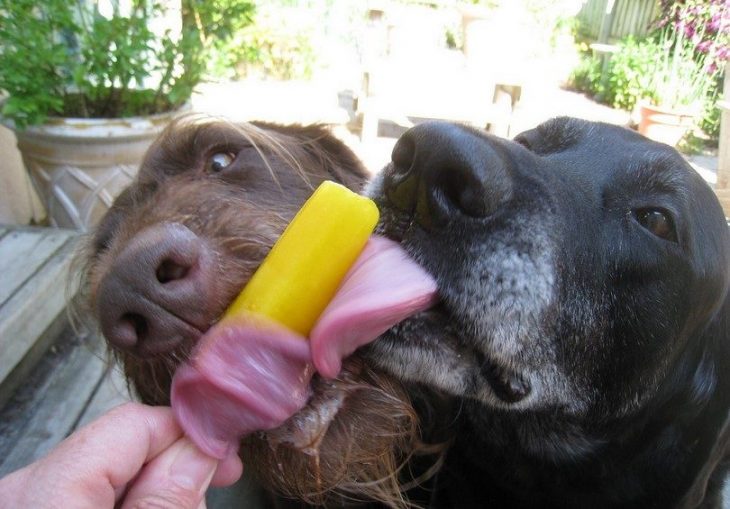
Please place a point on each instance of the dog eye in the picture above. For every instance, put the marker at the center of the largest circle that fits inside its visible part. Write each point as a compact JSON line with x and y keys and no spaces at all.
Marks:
{"x":219,"y":161}
{"x":659,"y":222}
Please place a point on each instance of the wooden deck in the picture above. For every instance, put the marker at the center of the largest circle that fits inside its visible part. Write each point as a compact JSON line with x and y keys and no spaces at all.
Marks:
{"x":33,"y":268}
{"x":54,"y":379}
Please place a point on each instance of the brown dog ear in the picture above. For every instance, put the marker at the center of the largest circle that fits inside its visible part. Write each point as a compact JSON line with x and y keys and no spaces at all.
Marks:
{"x":347,"y":168}
{"x":337,"y":158}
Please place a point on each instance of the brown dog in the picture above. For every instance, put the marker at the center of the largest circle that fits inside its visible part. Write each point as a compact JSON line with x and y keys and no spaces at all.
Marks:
{"x":210,"y":200}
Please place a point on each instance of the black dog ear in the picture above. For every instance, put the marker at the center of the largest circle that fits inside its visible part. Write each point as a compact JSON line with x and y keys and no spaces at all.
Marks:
{"x":715,"y":438}
{"x":706,"y":490}
{"x":554,"y":135}
{"x":717,"y":334}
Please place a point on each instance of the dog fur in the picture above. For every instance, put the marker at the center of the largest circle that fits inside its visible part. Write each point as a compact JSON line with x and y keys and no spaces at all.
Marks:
{"x":579,"y":354}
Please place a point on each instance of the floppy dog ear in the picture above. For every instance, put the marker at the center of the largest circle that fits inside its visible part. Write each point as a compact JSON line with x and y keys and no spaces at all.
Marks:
{"x":708,"y":484}
{"x":341,"y":163}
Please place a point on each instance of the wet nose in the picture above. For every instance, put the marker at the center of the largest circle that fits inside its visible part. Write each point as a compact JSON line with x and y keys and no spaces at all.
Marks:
{"x":155,"y":295}
{"x":441,"y":171}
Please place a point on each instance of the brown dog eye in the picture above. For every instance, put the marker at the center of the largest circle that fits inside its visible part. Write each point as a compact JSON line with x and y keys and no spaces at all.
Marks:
{"x":658,"y":222}
{"x":219,"y":161}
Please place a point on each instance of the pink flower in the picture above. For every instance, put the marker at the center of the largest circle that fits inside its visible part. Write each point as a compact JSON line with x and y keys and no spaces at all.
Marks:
{"x":704,"y":46}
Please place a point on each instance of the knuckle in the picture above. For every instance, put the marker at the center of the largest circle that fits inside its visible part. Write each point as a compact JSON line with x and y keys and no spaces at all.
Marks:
{"x":169,"y":500}
{"x":125,"y":411}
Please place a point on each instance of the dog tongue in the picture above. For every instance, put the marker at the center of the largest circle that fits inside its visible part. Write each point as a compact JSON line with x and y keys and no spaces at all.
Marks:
{"x":249,"y":374}
{"x":383,"y":288}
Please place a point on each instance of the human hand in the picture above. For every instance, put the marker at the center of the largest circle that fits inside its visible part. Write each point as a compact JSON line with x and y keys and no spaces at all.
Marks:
{"x":133,"y":456}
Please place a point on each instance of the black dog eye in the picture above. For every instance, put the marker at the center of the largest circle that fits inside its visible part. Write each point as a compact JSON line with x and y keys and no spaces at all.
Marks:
{"x":659,"y":222}
{"x":219,"y":161}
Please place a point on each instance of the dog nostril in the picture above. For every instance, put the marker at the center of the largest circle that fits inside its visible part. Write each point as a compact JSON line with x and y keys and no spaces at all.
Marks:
{"x":136,"y":323}
{"x":470,"y":197}
{"x":170,"y":270}
{"x":403,"y":154}
{"x":127,"y":331}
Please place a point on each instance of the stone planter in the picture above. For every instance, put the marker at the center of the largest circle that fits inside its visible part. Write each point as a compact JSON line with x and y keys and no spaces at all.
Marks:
{"x":78,"y":165}
{"x":663,"y":124}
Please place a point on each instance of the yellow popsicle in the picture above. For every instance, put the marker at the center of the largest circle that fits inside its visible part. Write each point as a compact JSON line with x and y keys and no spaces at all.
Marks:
{"x":303,"y":270}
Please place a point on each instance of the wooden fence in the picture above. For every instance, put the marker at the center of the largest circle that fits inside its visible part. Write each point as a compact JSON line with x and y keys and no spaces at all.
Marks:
{"x":626,"y":17}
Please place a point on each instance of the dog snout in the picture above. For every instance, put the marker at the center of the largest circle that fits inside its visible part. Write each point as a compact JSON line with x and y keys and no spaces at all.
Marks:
{"x":441,"y":171}
{"x":156,"y":293}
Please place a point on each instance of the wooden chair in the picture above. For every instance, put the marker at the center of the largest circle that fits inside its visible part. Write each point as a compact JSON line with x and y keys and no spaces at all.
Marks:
{"x":412,"y":77}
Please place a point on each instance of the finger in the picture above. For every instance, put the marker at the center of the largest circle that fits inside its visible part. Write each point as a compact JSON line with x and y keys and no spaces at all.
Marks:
{"x":98,"y":460}
{"x":123,"y":440}
{"x":229,"y":471}
{"x":177,"y":478}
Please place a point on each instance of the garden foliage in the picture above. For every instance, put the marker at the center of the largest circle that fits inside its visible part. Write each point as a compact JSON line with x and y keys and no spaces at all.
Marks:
{"x":679,"y":65}
{"x":61,"y":58}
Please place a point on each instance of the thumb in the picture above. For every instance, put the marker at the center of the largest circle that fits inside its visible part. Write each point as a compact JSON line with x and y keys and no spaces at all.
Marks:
{"x":176,"y":478}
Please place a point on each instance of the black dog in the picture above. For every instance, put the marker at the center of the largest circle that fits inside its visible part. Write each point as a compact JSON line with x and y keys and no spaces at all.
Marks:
{"x":585,"y":324}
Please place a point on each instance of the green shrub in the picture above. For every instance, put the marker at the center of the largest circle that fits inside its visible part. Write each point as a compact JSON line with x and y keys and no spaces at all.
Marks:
{"x":629,"y":75}
{"x":278,"y":46}
{"x":59,"y":57}
{"x":710,"y":116}
{"x":586,"y":77}
{"x":658,"y":69}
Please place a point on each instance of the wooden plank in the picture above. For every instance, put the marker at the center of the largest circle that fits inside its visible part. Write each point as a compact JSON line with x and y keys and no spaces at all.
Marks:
{"x":53,"y":409}
{"x":112,"y":392}
{"x":632,"y":17}
{"x":723,"y":151}
{"x":723,"y":195}
{"x":32,"y":308}
{"x":19,"y":374}
{"x":22,"y":253}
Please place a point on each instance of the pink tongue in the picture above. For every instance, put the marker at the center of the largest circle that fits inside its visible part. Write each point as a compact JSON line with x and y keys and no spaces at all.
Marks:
{"x":246,"y":375}
{"x":250,"y":374}
{"x":384,"y":287}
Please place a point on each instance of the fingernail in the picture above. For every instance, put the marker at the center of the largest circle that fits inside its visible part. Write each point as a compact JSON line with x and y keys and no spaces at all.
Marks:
{"x":191,"y":469}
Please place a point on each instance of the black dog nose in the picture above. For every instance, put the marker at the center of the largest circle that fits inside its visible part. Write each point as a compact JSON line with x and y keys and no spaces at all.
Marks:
{"x":440,"y":170}
{"x":155,"y":294}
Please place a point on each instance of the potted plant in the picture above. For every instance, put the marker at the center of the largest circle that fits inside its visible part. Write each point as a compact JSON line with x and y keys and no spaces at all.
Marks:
{"x":88,"y":85}
{"x":692,"y":43}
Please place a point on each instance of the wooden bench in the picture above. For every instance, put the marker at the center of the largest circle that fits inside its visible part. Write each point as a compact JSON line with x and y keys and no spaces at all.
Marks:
{"x":408,"y":76}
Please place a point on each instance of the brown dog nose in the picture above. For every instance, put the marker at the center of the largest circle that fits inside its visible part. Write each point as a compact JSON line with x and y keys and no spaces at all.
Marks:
{"x":156,"y":293}
{"x":441,"y":170}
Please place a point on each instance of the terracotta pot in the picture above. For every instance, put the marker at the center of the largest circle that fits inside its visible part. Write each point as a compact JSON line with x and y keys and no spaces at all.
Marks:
{"x":79,"y":165}
{"x":664,"y":124}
